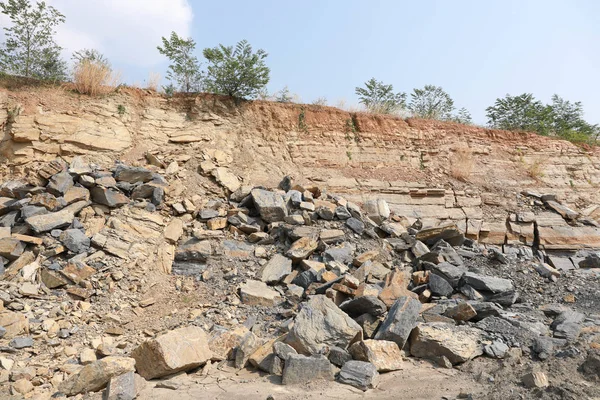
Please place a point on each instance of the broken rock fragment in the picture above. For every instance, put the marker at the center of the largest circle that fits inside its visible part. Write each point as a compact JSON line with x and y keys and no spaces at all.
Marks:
{"x":179,"y":350}
{"x":360,"y":374}
{"x":96,"y":375}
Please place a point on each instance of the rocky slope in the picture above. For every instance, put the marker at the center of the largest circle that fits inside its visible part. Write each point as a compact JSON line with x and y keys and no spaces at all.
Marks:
{"x":194,"y":264}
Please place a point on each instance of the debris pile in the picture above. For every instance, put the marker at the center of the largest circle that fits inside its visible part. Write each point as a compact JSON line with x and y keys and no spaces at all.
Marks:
{"x":305,"y":285}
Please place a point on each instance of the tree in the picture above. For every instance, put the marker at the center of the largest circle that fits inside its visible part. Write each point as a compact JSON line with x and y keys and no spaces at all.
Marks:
{"x":236,"y":72}
{"x":568,"y":122}
{"x":30,"y":49}
{"x":521,"y":112}
{"x":284,"y":95}
{"x":431,"y":102}
{"x":380,"y":98}
{"x":463,"y":116}
{"x":185,"y":67}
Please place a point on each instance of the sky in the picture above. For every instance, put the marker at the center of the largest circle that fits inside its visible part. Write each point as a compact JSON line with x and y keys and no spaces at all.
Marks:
{"x":476,"y":50}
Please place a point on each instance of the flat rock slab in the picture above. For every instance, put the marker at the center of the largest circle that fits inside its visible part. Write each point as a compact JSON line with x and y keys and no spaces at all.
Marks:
{"x":47,"y":222}
{"x":276,"y":269}
{"x":257,"y":293}
{"x":179,"y":350}
{"x":385,"y":355}
{"x":488,"y":283}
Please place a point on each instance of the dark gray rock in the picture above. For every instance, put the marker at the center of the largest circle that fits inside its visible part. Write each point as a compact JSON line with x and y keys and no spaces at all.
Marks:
{"x":21,"y":342}
{"x":283,"y":350}
{"x":60,"y":183}
{"x":305,"y":278}
{"x":108,"y":197}
{"x":592,"y":260}
{"x":342,"y":213}
{"x":132,"y":174}
{"x":271,"y":206}
{"x":301,"y":369}
{"x":439,"y":286}
{"x":356,"y":225}
{"x":400,"y":321}
{"x":75,"y":240}
{"x":449,"y":272}
{"x":488,"y":283}
{"x":360,"y":374}
{"x":343,"y":254}
{"x":30,"y":211}
{"x":447,"y":252}
{"x":544,"y":346}
{"x":121,"y":387}
{"x":568,"y":325}
{"x":338,"y":356}
{"x":363,"y":305}
{"x":496,"y":349}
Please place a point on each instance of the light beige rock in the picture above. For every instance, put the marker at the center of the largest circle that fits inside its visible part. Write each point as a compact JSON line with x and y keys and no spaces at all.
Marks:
{"x":536,"y":380}
{"x":15,"y":323}
{"x":256,"y":293}
{"x":96,"y":375}
{"x":436,"y":339}
{"x":179,"y":350}
{"x":384,"y":354}
{"x":226,"y":178}
{"x":174,"y":230}
{"x":22,"y":386}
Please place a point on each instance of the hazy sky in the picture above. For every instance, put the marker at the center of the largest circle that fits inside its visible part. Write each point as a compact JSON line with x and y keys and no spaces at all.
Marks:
{"x":477,"y":50}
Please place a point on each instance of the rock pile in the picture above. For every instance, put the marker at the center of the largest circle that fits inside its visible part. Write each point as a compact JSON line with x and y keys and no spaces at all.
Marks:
{"x":315,"y":287}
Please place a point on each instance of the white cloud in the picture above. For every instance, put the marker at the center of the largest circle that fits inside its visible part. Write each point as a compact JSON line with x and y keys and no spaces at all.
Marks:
{"x":126,"y":31}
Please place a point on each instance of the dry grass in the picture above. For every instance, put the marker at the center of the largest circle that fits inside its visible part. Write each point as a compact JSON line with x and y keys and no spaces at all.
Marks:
{"x":94,"y":79}
{"x":153,"y":81}
{"x":535,"y":169}
{"x":462,"y":164}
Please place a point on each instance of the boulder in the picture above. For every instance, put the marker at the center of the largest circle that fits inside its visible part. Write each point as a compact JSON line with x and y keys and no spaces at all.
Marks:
{"x":300,"y":369}
{"x":360,"y":374}
{"x":11,"y":248}
{"x":436,"y":339}
{"x":377,"y":210}
{"x":301,"y":249}
{"x":95,"y":376}
{"x":400,"y":321}
{"x":276,"y":269}
{"x":121,"y":387}
{"x":179,"y":350}
{"x":127,"y":173}
{"x":568,"y":325}
{"x":338,"y":356}
{"x":257,"y":293}
{"x":385,"y":355}
{"x":75,"y":240}
{"x":487,"y":283}
{"x":60,"y":183}
{"x":364,"y":305}
{"x":109,"y":197}
{"x":395,"y":286}
{"x":226,"y":179}
{"x":271,"y":206}
{"x":356,"y":225}
{"x":47,"y":222}
{"x":439,"y":286}
{"x":321,"y":323}
{"x":592,"y":260}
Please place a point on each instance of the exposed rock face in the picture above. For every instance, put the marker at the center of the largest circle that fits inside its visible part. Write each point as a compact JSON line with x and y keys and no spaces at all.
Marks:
{"x":321,"y":323}
{"x":457,"y":343}
{"x":179,"y":350}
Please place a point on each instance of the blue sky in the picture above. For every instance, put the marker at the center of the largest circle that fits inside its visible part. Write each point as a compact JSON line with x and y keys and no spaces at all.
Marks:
{"x":476,"y":50}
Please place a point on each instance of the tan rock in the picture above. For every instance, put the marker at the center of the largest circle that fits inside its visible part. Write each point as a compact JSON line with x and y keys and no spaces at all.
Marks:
{"x":461,"y":312}
{"x":395,"y":286}
{"x":15,"y":323}
{"x":257,"y":293}
{"x":87,"y":356}
{"x":384,"y":354}
{"x":179,"y":350}
{"x":226,"y":178}
{"x":436,"y":339}
{"x":174,"y":230}
{"x":96,"y":375}
{"x":215,"y":224}
{"x":223,"y":342}
{"x":536,"y":380}
{"x":301,"y":249}
{"x":22,"y":386}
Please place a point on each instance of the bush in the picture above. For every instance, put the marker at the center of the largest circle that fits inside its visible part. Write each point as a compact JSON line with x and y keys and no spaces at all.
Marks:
{"x":236,"y":72}
{"x":94,"y":79}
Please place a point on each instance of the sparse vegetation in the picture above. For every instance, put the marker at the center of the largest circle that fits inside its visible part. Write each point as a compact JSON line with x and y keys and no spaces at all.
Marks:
{"x":29,"y":49}
{"x":461,"y":164}
{"x":92,"y":73}
{"x":121,"y":109}
{"x":184,"y":70}
{"x":380,"y":98}
{"x":238,"y":72}
{"x":283,"y":96}
{"x":349,"y":155}
{"x":320,"y":101}
{"x":535,"y":170}
{"x":153,"y":81}
{"x":302,"y":120}
{"x":561,"y":118}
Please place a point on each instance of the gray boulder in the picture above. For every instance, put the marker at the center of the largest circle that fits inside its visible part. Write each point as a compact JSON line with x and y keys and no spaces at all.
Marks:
{"x":568,"y":325}
{"x":301,"y":369}
{"x":75,"y":240}
{"x":364,"y":305}
{"x":132,"y":174}
{"x":319,"y":324}
{"x":271,"y":206}
{"x":276,"y":269}
{"x":60,"y":183}
{"x":488,"y":283}
{"x":400,"y":321}
{"x":360,"y":374}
